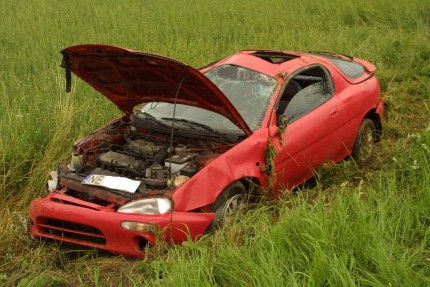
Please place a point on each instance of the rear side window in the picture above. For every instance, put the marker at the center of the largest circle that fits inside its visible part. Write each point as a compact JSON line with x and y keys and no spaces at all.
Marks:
{"x":349,"y":68}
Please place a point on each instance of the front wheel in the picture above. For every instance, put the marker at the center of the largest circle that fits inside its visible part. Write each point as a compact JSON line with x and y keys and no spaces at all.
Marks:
{"x":228,"y":203}
{"x":365,"y":142}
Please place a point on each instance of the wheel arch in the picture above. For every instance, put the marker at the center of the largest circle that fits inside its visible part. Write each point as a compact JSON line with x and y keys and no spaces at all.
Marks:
{"x":375,"y":117}
{"x":250,"y":183}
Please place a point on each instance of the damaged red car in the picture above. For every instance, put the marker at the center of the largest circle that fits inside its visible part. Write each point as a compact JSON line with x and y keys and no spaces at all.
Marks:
{"x":191,"y":142}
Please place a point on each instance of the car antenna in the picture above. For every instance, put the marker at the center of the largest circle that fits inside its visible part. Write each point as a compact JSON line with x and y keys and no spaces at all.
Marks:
{"x":173,"y":125}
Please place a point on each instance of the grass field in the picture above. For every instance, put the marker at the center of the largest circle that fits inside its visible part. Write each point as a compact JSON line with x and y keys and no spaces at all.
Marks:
{"x":365,"y":227}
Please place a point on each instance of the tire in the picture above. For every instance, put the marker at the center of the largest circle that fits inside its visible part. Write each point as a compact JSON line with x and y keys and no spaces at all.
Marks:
{"x":364,"y":144}
{"x":228,"y":203}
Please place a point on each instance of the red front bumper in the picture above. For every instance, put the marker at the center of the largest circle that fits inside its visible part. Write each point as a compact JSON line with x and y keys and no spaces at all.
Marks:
{"x":101,"y":228}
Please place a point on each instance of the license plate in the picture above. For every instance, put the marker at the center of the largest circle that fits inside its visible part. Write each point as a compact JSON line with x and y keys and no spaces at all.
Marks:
{"x":112,"y":182}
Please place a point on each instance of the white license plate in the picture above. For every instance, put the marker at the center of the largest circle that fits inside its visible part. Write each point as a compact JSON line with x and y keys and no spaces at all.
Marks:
{"x":112,"y":182}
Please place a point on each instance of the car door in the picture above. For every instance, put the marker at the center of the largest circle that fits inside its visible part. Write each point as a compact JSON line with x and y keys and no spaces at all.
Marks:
{"x":312,"y":134}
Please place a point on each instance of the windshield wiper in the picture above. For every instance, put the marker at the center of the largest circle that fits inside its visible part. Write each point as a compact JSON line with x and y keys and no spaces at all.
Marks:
{"x":193,"y":124}
{"x":153,"y":119}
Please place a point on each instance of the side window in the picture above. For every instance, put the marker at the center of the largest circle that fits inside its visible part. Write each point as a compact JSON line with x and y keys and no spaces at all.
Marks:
{"x":304,"y":92}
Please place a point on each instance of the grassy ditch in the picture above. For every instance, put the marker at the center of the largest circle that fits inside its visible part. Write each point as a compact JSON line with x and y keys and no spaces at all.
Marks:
{"x":357,"y":226}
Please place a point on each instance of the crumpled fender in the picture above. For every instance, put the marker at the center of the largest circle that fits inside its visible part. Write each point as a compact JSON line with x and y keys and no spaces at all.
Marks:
{"x":244,"y":160}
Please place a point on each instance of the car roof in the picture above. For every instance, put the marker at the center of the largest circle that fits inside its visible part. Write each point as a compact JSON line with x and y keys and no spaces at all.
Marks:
{"x":269,"y":62}
{"x":274,"y":62}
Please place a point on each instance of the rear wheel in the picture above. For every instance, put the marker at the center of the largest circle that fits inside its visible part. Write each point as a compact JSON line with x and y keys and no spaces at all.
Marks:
{"x":228,"y":203}
{"x":365,"y":142}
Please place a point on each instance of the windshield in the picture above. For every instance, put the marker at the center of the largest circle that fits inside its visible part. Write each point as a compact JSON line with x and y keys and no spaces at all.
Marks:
{"x":249,"y":91}
{"x":164,"y":111}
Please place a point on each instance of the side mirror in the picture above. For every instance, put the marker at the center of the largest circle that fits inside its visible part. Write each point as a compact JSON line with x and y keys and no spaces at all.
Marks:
{"x":282,"y":122}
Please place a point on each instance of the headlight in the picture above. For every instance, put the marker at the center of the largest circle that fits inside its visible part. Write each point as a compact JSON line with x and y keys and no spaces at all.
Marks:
{"x":76,"y":161}
{"x":52,"y":184}
{"x":147,"y":206}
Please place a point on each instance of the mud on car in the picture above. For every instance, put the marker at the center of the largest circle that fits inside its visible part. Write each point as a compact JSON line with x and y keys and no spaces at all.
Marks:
{"x":191,"y":141}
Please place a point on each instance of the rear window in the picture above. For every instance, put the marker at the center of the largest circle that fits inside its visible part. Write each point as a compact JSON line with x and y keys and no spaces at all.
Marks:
{"x":349,"y":68}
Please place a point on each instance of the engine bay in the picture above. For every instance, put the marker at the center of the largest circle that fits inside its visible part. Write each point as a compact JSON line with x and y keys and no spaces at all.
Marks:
{"x":151,"y":163}
{"x":122,"y":149}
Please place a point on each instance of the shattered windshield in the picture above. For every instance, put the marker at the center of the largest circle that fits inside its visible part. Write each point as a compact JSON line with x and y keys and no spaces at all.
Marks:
{"x":249,"y":91}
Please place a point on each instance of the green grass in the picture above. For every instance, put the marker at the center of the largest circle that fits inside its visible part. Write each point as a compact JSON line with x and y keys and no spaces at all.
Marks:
{"x":366,"y":227}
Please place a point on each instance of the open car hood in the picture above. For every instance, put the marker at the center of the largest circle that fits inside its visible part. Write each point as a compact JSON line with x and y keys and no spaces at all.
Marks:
{"x":128,"y":78}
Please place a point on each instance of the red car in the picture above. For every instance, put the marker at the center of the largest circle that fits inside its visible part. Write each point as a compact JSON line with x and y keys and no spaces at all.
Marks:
{"x":191,"y":142}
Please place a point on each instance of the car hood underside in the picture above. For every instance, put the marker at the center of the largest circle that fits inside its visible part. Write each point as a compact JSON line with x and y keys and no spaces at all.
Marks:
{"x":129,"y":78}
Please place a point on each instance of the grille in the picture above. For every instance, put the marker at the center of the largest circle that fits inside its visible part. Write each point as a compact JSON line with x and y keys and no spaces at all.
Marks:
{"x":72,"y":232}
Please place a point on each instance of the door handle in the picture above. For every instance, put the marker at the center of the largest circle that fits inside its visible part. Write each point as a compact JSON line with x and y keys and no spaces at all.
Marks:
{"x":333,"y":111}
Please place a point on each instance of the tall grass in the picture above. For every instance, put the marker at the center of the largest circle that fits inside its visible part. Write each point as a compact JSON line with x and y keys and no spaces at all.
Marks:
{"x":357,"y":227}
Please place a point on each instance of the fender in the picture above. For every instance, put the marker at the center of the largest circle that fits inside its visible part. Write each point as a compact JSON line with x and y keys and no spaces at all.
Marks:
{"x":244,"y":160}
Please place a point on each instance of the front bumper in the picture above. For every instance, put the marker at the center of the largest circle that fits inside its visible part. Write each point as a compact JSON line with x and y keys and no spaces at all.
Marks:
{"x":88,"y":224}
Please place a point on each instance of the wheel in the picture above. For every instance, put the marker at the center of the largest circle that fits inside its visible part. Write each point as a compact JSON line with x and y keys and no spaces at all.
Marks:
{"x":364,"y":143}
{"x":228,"y":203}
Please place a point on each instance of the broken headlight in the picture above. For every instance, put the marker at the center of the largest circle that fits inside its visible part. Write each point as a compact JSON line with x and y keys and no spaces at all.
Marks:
{"x":76,"y":161}
{"x":156,"y":205}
